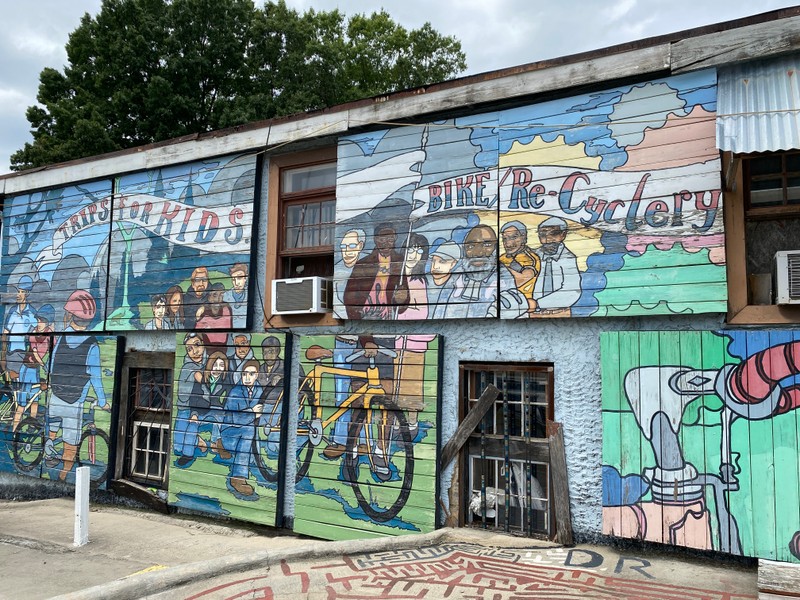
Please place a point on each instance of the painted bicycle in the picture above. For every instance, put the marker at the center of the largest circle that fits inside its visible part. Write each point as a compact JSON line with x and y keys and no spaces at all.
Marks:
{"x":379,"y":452}
{"x":31,"y":445}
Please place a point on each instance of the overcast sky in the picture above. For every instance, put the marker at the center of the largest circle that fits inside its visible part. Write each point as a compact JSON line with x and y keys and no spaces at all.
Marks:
{"x":494,"y":34}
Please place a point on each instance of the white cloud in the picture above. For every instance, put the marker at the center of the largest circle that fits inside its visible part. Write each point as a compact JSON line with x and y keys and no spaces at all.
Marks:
{"x":13,"y":101}
{"x":38,"y":43}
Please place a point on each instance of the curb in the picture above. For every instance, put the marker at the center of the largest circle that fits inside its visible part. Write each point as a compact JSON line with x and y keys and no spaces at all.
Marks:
{"x":140,"y":585}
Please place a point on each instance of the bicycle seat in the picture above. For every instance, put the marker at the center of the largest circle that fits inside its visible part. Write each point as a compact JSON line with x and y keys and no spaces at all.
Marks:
{"x":318,"y":353}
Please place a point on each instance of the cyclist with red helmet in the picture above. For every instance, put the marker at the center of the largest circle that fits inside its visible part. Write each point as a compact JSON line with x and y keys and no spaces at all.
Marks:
{"x":75,"y":368}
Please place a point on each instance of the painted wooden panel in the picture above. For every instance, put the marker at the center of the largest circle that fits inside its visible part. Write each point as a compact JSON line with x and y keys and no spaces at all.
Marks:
{"x":603,"y":204}
{"x":180,"y":247}
{"x":54,"y":244}
{"x":227,"y":404}
{"x":700,"y":440}
{"x":367,"y":436}
{"x":55,"y":415}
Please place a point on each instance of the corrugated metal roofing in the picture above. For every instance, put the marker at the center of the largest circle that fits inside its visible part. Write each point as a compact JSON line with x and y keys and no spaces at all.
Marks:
{"x":758,"y":105}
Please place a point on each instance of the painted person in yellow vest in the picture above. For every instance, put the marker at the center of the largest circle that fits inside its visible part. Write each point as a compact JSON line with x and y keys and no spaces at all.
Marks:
{"x":519,"y":259}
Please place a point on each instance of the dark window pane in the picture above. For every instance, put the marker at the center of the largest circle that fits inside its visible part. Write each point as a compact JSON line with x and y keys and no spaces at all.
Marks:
{"x":764,"y":165}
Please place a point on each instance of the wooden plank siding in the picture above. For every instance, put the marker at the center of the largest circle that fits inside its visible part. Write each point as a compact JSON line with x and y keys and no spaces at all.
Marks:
{"x":57,"y":241}
{"x":700,"y":440}
{"x":346,"y":490}
{"x":227,"y":423}
{"x":70,"y":393}
{"x":624,"y":181}
{"x":176,"y":224}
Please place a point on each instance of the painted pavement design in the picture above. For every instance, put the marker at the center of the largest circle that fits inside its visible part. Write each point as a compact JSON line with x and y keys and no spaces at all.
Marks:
{"x":463,"y":571}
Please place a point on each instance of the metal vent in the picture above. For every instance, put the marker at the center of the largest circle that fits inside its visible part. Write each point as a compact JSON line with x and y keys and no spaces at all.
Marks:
{"x":292,"y":297}
{"x":301,"y":295}
{"x":793,"y":261}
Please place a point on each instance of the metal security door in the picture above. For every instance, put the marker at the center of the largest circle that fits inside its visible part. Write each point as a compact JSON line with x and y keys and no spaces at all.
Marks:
{"x":507,"y":457}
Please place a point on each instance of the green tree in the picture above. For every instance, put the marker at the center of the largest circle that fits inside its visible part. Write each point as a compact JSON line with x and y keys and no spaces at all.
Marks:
{"x":142,"y":71}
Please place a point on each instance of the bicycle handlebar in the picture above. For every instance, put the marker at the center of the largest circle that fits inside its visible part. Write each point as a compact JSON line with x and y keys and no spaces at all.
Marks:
{"x":359,"y":353}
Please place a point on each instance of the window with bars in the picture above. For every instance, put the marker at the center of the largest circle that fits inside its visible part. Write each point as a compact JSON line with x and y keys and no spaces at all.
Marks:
{"x":507,"y":483}
{"x":148,"y":437}
{"x":308,"y":215}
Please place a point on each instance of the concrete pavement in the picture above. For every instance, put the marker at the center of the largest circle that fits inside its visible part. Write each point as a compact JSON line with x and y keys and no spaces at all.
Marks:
{"x":137,"y":554}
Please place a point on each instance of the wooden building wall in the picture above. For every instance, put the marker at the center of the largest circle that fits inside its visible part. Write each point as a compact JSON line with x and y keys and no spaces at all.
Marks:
{"x":625,"y":182}
{"x":343,"y":489}
{"x":700,"y":440}
{"x":226,"y":426}
{"x":82,"y":372}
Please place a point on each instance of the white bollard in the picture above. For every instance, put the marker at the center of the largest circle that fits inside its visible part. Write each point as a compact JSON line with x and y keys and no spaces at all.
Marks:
{"x":81,"y":506}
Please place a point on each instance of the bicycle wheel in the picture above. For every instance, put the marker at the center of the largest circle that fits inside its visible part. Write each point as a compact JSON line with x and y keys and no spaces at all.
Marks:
{"x":387,"y":494}
{"x":93,"y":453}
{"x":309,"y":428}
{"x":266,"y":441}
{"x":28,"y":446}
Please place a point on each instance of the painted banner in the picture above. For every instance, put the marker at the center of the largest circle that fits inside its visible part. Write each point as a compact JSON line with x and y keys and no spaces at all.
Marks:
{"x":603,"y":204}
{"x":55,"y":250}
{"x":366,"y":436}
{"x":226,"y":428}
{"x":700,"y":440}
{"x":55,"y":404}
{"x":180,"y":246}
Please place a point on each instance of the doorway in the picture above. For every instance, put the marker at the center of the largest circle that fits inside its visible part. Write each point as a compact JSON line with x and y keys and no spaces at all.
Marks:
{"x":506,"y":460}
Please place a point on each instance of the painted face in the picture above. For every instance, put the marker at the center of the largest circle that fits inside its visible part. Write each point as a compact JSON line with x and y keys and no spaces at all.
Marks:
{"x":238,"y":281}
{"x":413,"y":256}
{"x":242,"y":347}
{"x":175,"y":303}
{"x":22,"y":296}
{"x":271,"y":354}
{"x":41,"y":325}
{"x":441,"y":268}
{"x":200,"y":283}
{"x":249,"y":376}
{"x":513,"y":240}
{"x":215,"y":296}
{"x":479,"y":247}
{"x":194,"y":349}
{"x":159,"y":310}
{"x":351,"y":248}
{"x":551,"y":238}
{"x":218,"y":368}
{"x":385,"y":241}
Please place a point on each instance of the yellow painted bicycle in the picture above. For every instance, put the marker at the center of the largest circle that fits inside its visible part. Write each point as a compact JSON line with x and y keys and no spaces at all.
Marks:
{"x":378,"y":461}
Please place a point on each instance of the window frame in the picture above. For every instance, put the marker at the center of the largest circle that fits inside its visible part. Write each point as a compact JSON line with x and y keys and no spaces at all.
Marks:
{"x":133,"y":360}
{"x":740,"y":311}
{"x":274,"y":233}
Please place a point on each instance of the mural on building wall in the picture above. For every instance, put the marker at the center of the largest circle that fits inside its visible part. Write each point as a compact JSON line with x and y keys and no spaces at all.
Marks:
{"x":54,"y":244}
{"x":366,"y":435}
{"x":603,"y":204}
{"x":226,"y":426}
{"x":55,"y":400}
{"x":180,"y":246}
{"x":700,"y":440}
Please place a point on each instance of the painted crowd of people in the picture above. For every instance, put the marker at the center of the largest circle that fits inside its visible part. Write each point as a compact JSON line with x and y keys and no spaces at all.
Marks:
{"x":457,"y":280}
{"x":224,"y":389}
{"x":204,"y":305}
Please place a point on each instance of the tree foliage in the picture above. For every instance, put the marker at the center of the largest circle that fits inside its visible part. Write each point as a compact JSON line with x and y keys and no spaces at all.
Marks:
{"x":142,"y":71}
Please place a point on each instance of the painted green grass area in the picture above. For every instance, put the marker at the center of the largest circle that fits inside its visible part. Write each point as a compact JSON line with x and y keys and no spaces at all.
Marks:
{"x":664,"y":282}
{"x":203,"y":487}
{"x":327,"y":506}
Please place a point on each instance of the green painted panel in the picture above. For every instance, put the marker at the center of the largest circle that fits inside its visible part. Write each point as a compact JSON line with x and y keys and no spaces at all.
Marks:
{"x":354,"y":415}
{"x":227,"y":403}
{"x":66,"y":396}
{"x":700,"y":439}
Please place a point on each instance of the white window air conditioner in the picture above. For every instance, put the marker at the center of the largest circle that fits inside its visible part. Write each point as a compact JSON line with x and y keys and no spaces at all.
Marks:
{"x":787,"y":277}
{"x":302,"y":295}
